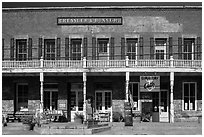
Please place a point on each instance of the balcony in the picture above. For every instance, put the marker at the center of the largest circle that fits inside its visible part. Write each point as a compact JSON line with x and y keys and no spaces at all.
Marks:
{"x":102,"y":65}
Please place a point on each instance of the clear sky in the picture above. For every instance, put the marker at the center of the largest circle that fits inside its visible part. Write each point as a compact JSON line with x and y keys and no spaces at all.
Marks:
{"x":81,"y":4}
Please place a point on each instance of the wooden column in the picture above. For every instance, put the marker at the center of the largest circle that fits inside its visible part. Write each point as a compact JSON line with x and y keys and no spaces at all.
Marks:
{"x":171,"y":93}
{"x":41,"y":85}
{"x":127,"y":85}
{"x":84,"y":93}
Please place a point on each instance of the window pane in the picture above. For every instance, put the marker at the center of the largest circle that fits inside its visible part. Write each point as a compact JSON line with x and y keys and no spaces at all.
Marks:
{"x":99,"y":101}
{"x":192,"y":103}
{"x":73,"y":101}
{"x":186,"y":89}
{"x":192,"y":89}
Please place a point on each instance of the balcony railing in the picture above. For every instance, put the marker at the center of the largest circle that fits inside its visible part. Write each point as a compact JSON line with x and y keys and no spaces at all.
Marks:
{"x":60,"y":64}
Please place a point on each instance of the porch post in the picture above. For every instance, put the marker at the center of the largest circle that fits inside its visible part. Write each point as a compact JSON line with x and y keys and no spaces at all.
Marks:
{"x":127,"y":84}
{"x":41,"y":85}
{"x":84,"y":93}
{"x":171,"y":94}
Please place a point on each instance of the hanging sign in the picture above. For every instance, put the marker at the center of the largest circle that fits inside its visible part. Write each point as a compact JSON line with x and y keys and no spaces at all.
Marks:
{"x":149,"y":83}
{"x":89,"y":21}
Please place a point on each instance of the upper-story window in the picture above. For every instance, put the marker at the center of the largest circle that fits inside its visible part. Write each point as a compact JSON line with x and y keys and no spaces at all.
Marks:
{"x":49,"y":49}
{"x":188,"y":46}
{"x":76,"y":44}
{"x":21,"y":49}
{"x":160,"y":48}
{"x":131,"y":44}
{"x":103,"y":45}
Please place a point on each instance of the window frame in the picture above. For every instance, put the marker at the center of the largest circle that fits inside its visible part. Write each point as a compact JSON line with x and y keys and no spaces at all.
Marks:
{"x":161,"y":48}
{"x":23,"y":53}
{"x":136,"y":47}
{"x":183,"y":103}
{"x":72,"y":49}
{"x":107,"y":45}
{"x":138,"y":97}
{"x":50,"y":53}
{"x":76,"y":91}
{"x":192,"y":48}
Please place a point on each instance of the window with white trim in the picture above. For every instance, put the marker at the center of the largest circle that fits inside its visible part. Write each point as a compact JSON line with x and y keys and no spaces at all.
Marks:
{"x":134,"y":90}
{"x":49,"y":49}
{"x":21,"y":49}
{"x":77,"y":97}
{"x":103,"y":45}
{"x":188,"y":48}
{"x":131,"y":44}
{"x":189,"y":95}
{"x":160,"y":48}
{"x":22,"y":97}
{"x":76,"y":44}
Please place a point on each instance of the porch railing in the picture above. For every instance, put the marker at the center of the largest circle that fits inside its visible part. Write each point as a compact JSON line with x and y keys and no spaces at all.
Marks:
{"x":57,"y":64}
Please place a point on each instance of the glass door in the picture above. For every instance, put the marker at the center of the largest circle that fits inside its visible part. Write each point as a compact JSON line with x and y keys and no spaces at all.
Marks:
{"x":50,"y":100}
{"x":164,"y":111}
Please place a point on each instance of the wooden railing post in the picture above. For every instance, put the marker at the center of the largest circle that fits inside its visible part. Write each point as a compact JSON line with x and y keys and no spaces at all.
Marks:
{"x":126,"y":61}
{"x":84,"y":62}
{"x":41,"y":62}
{"x":171,"y":61}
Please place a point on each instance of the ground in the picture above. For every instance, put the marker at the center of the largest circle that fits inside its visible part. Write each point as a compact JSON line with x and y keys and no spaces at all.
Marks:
{"x":118,"y":128}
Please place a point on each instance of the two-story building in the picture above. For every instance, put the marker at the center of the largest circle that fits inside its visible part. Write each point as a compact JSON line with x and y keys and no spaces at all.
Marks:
{"x":58,"y":57}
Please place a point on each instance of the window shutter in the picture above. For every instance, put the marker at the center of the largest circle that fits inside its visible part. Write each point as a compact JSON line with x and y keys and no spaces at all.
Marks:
{"x":151,"y":48}
{"x":122,"y":48}
{"x":30,"y":49}
{"x":66,"y":48}
{"x":2,"y":49}
{"x":12,"y":49}
{"x":170,"y":46}
{"x":94,"y":48}
{"x":85,"y":47}
{"x":199,"y":50}
{"x":40,"y":48}
{"x":58,"y":48}
{"x":180,"y":48}
{"x":141,"y":48}
{"x":70,"y":48}
{"x":112,"y":48}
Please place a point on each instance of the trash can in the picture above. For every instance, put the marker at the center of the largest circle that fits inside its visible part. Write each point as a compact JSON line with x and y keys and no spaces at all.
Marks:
{"x":128,"y":114}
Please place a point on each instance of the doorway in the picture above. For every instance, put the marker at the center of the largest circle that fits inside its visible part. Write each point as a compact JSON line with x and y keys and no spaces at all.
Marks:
{"x":50,"y":99}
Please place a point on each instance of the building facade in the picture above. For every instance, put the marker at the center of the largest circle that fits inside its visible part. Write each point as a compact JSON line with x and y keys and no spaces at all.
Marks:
{"x":57,"y":58}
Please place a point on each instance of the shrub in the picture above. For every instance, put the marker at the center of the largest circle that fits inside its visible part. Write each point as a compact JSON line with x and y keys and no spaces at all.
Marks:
{"x":117,"y":117}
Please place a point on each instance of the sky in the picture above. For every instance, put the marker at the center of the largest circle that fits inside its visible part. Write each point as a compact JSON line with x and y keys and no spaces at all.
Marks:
{"x":81,"y":4}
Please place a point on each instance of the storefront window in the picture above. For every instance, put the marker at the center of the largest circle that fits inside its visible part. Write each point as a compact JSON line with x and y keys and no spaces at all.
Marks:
{"x":189,"y":95}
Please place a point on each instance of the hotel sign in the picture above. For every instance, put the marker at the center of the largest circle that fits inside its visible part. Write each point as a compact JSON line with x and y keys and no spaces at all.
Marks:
{"x":149,"y":83}
{"x":89,"y":21}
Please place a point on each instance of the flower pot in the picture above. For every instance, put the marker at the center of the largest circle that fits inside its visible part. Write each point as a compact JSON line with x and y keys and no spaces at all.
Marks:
{"x":78,"y":121}
{"x":29,"y":126}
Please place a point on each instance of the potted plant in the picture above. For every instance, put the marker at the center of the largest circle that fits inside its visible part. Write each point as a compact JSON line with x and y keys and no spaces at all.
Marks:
{"x":79,"y":118}
{"x":28,"y":122}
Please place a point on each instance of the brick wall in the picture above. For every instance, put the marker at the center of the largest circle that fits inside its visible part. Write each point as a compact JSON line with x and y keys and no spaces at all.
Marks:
{"x":145,"y":22}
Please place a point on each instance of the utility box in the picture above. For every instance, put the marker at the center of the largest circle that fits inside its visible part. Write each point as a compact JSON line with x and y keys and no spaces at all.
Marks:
{"x":128,"y":114}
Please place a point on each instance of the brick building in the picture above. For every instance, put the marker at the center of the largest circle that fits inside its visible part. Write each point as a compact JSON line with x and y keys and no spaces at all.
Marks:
{"x":57,"y":58}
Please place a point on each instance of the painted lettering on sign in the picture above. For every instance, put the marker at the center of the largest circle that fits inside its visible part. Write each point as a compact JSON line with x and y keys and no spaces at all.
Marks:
{"x":89,"y":20}
{"x":149,"y":83}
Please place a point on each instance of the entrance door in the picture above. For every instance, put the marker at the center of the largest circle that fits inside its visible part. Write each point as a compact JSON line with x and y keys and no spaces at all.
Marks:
{"x":103,"y":102}
{"x":50,"y":99}
{"x":164,"y":110}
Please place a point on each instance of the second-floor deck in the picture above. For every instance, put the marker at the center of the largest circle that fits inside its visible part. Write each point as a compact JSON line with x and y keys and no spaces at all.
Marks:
{"x":102,"y":66}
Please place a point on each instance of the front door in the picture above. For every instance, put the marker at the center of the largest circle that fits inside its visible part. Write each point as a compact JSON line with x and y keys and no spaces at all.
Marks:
{"x":50,"y":99}
{"x":103,"y":102}
{"x":164,"y":110}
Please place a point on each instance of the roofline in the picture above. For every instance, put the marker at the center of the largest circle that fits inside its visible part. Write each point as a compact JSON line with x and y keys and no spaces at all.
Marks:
{"x":104,"y":7}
